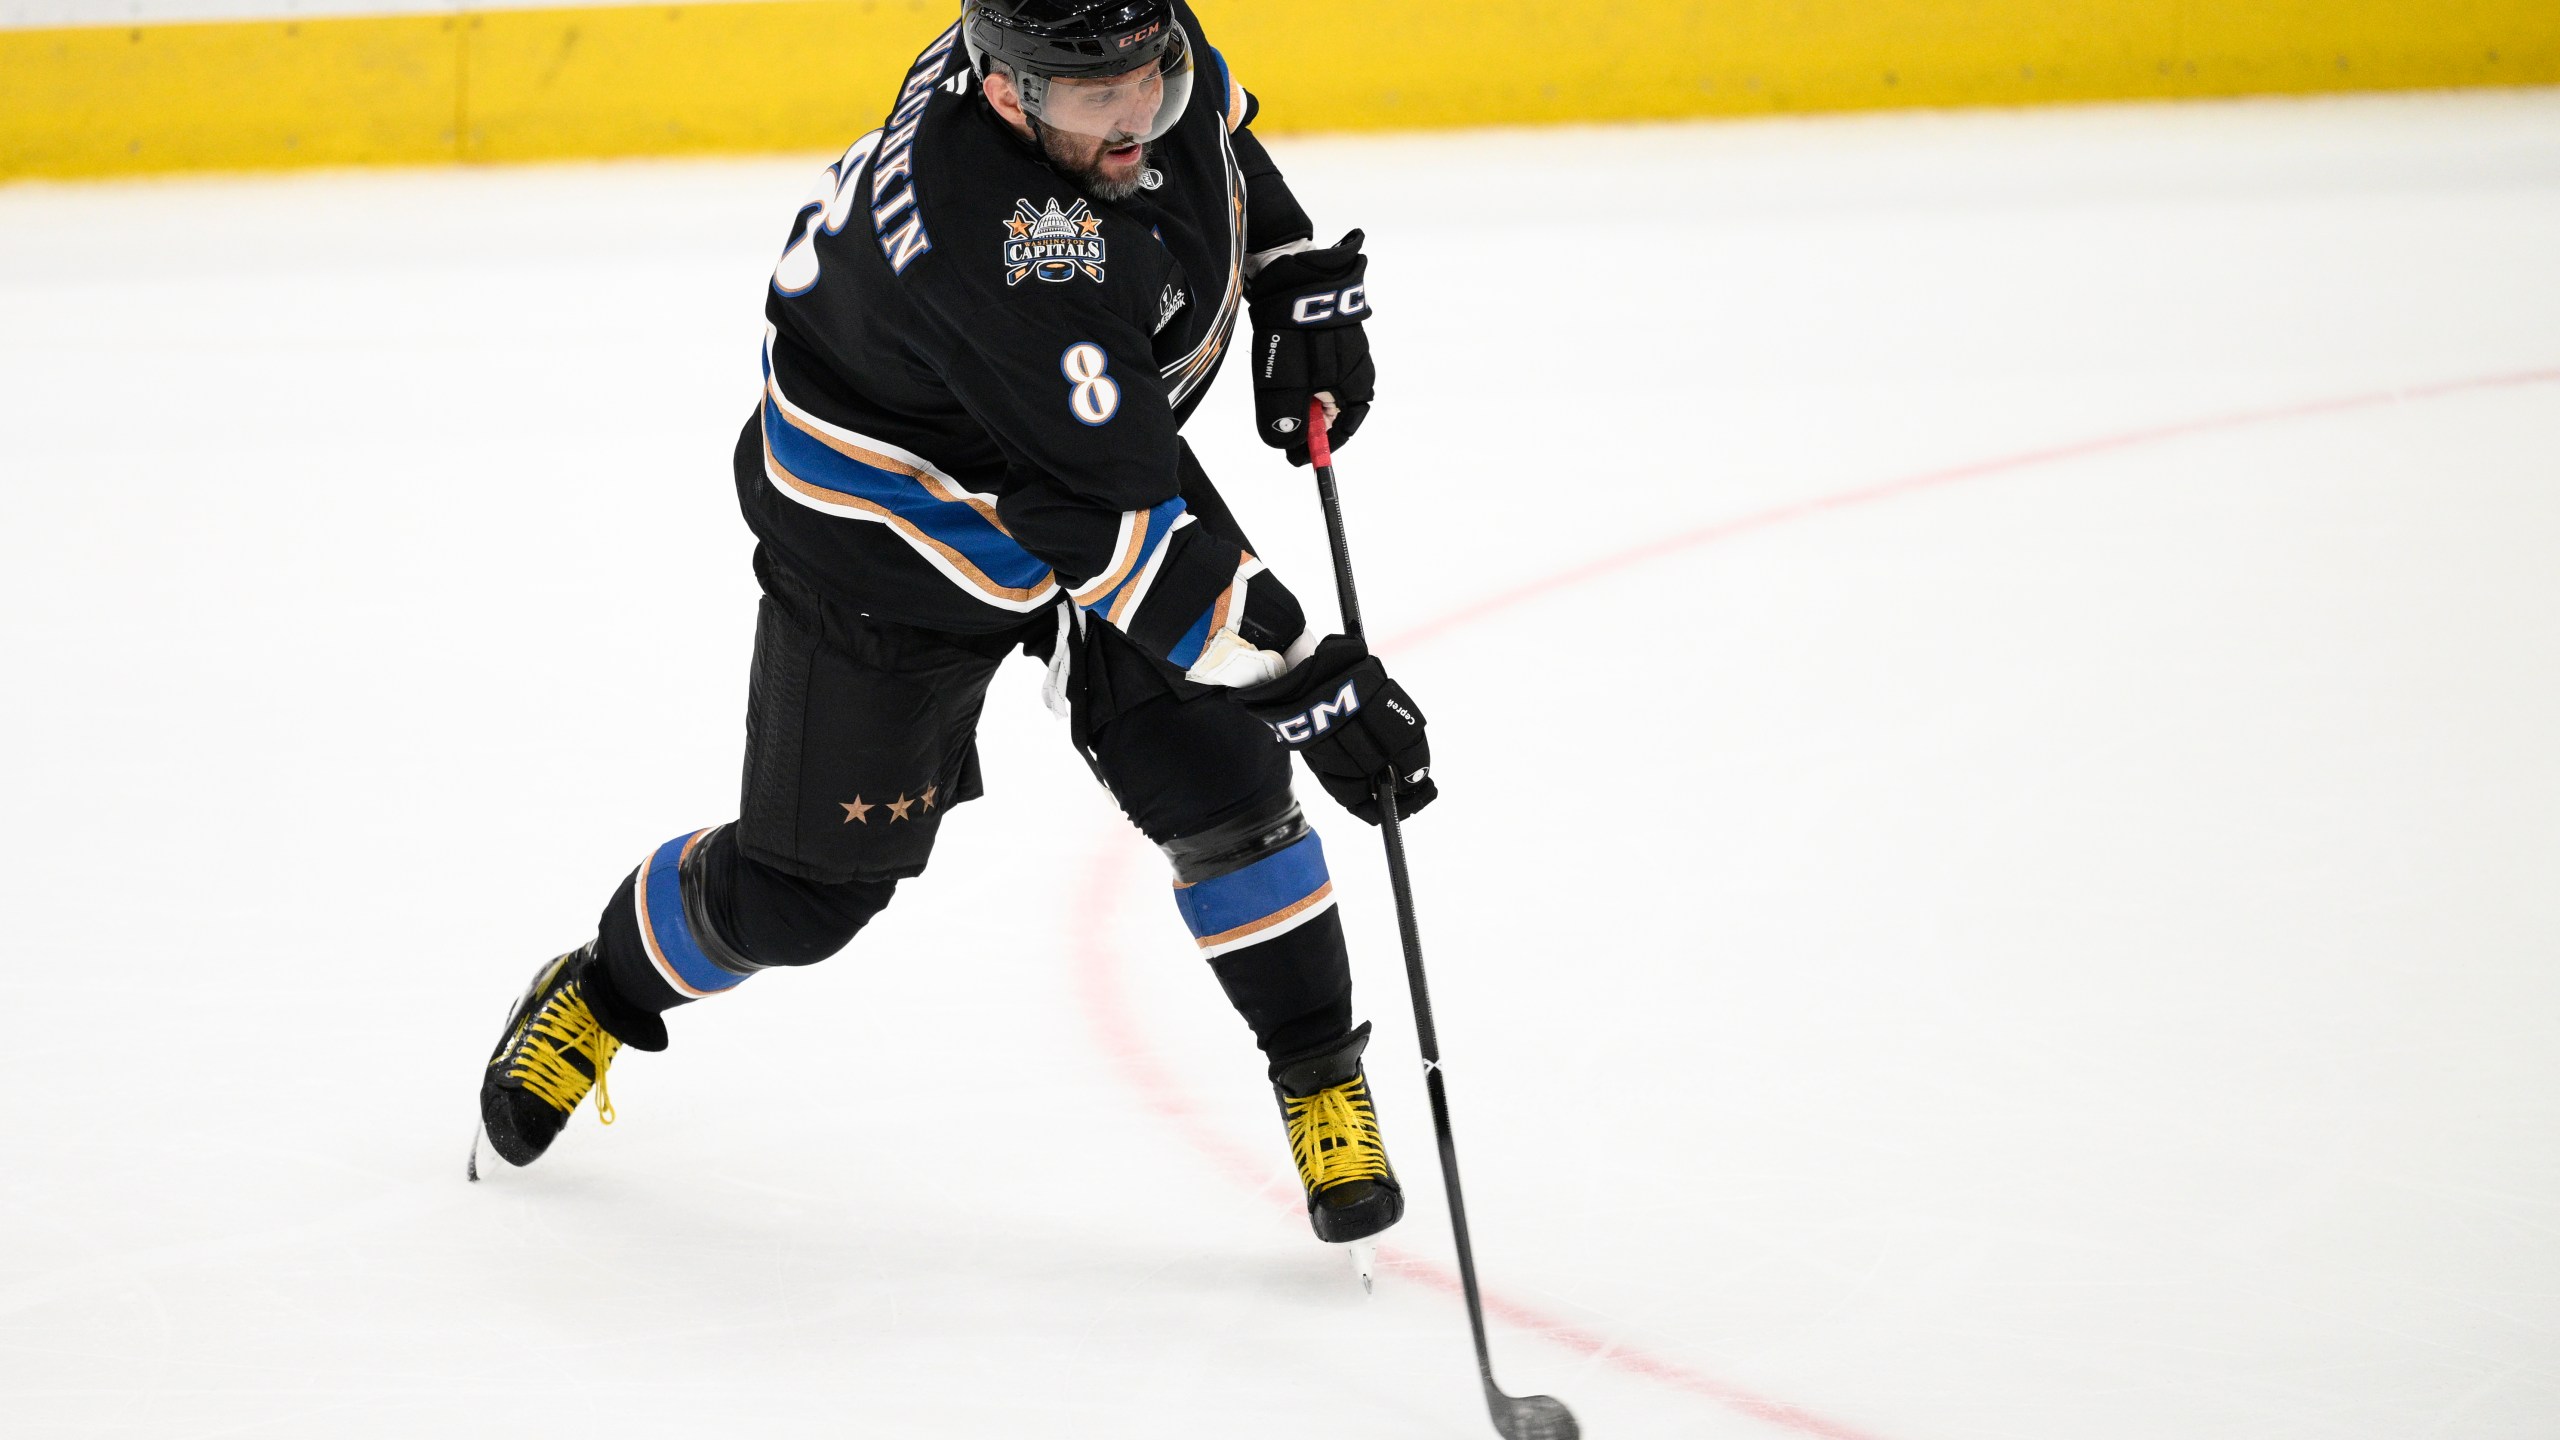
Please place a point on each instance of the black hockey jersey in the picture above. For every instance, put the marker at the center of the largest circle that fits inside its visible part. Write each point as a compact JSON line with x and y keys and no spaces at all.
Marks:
{"x":975,"y":372}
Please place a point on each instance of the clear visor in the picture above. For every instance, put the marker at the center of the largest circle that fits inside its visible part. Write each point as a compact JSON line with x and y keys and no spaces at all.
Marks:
{"x":1134,"y":106}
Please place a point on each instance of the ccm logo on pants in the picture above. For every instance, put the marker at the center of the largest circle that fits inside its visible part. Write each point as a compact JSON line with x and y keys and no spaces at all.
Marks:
{"x":1300,"y":728}
{"x":1332,"y":304}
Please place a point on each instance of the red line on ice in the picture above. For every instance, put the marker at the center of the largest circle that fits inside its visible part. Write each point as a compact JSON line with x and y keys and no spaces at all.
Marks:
{"x":1720,"y":530}
{"x":1096,"y":913}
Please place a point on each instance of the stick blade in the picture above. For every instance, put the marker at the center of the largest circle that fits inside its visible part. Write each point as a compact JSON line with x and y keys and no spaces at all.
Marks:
{"x":1531,"y":1417}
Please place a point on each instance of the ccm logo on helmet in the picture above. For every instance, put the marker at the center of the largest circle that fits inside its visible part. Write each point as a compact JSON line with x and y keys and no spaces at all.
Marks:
{"x":1300,"y":728}
{"x":1135,"y":36}
{"x":1312,"y":309}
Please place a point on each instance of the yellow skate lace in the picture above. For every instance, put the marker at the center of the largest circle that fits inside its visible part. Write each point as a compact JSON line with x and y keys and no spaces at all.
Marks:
{"x":562,"y":1027}
{"x":1333,"y":1135}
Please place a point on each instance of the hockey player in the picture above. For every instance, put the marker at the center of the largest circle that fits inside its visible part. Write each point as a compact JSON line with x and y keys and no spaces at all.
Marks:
{"x":988,"y":324}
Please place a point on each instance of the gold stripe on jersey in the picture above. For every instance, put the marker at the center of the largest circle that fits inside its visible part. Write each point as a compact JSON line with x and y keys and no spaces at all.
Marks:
{"x":934,"y":485}
{"x":942,"y":556}
{"x":1131,"y":548}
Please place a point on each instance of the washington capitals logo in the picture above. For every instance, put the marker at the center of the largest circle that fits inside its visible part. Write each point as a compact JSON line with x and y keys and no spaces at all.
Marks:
{"x":1053,"y":244}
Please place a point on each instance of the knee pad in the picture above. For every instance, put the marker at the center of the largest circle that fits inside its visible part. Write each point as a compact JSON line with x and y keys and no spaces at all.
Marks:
{"x":764,"y":917}
{"x":1251,"y":881}
{"x":698,"y":917}
{"x":1270,"y":827}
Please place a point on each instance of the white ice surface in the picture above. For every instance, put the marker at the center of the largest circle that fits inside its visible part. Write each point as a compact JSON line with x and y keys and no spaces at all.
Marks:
{"x":2070,"y":953}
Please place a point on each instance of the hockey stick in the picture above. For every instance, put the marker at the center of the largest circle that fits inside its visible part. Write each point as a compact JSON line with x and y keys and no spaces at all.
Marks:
{"x":1517,"y":1417}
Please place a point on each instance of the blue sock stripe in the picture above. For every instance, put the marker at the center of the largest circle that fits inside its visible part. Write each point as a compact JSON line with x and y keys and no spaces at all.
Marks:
{"x":1238,"y":907}
{"x":665,"y":931}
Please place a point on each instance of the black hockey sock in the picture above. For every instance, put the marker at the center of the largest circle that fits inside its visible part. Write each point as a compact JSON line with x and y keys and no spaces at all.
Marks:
{"x":629,"y":982}
{"x":1294,"y":1003}
{"x":639,"y":1028}
{"x":1270,"y":932}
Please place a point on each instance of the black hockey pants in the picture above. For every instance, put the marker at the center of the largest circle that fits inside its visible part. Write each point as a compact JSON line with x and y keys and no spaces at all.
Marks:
{"x":861,"y":736}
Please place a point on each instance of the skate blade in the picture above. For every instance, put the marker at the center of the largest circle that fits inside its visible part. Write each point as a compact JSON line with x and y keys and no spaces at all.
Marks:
{"x":1364,"y":1263}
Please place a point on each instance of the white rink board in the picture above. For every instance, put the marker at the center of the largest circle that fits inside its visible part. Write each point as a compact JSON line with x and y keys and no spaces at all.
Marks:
{"x":2066,"y":952}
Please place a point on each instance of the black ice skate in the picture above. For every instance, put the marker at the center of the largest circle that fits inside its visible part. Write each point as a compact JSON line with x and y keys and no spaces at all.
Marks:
{"x":554,"y":1050}
{"x":1333,"y":1135}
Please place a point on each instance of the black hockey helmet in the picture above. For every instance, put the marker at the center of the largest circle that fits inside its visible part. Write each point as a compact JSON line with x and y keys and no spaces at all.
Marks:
{"x":1117,"y":69}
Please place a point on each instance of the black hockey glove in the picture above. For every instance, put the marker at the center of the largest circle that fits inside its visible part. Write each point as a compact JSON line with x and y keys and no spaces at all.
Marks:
{"x":1354,"y":726}
{"x":1307,"y":310}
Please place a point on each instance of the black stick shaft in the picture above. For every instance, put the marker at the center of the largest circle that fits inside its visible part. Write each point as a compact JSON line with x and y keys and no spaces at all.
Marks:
{"x":1343,"y":588}
{"x":1426,"y":1034}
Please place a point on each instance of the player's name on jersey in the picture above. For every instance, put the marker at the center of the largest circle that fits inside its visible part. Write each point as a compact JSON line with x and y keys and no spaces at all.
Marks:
{"x":896,"y":162}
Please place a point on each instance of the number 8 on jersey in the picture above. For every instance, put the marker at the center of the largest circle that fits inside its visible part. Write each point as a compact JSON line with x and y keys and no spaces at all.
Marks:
{"x":1095,"y":396}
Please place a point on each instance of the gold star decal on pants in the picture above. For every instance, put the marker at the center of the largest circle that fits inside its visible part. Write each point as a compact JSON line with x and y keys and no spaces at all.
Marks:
{"x":856,"y":810}
{"x":929,"y":792}
{"x":898,"y":808}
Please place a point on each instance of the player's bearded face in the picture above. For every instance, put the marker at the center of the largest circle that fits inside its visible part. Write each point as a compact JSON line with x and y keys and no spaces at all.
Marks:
{"x":1108,"y":168}
{"x":1095,"y":130}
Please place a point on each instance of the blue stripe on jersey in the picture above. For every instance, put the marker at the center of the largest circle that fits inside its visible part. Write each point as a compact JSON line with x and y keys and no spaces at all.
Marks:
{"x":1257,"y":892}
{"x":1186,"y":651}
{"x":995,"y":554}
{"x":664,"y":894}
{"x":1159,"y":530}
{"x":1226,"y":86}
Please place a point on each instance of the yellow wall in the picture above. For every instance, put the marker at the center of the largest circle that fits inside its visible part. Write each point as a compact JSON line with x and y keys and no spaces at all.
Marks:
{"x":1537,"y":60}
{"x":811,"y":74}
